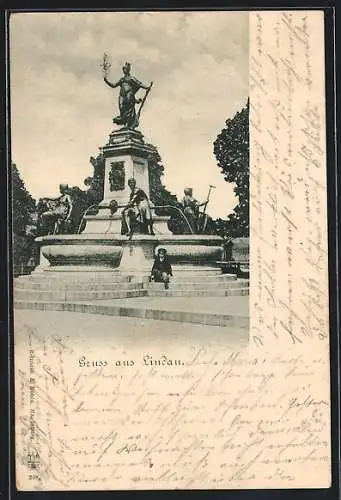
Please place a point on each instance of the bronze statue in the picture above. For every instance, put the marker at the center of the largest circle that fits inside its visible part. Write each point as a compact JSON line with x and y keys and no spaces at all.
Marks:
{"x":129,"y":86}
{"x":191,"y":209}
{"x":55,"y":213}
{"x":137,"y":211}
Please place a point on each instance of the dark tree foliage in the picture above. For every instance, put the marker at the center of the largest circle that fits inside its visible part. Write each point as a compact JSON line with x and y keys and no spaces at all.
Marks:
{"x":86,"y":201}
{"x":23,"y":208}
{"x":96,"y":182}
{"x":231,"y":149}
{"x":159,"y":195}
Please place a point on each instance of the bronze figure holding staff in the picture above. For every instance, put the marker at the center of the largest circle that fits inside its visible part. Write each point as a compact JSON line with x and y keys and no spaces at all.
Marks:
{"x":129,"y":86}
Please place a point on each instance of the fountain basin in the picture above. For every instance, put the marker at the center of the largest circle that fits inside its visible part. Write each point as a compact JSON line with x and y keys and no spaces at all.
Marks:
{"x":90,"y":255}
{"x":80,"y":252}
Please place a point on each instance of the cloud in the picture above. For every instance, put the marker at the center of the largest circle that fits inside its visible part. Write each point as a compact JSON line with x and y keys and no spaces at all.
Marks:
{"x":62,"y":111}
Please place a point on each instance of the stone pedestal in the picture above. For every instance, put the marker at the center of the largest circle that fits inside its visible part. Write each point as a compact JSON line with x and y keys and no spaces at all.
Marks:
{"x":138,"y":255}
{"x":43,"y":262}
{"x":126,"y":156}
{"x":106,"y":224}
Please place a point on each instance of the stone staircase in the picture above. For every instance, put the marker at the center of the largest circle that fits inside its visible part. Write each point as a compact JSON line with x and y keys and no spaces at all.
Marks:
{"x":67,"y":287}
{"x":208,"y":298}
{"x":221,"y":285}
{"x":103,"y":286}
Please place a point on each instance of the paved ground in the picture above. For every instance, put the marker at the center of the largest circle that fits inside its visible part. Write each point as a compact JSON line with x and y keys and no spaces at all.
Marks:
{"x":232,"y":311}
{"x":131,"y":331}
{"x":211,"y":305}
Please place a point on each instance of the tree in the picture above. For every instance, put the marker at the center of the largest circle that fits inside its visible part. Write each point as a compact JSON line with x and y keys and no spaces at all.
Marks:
{"x":159,"y":195}
{"x":231,"y":149}
{"x":23,"y":210}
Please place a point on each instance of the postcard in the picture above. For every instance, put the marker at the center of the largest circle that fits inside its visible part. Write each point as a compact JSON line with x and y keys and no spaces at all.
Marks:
{"x":170,"y":256}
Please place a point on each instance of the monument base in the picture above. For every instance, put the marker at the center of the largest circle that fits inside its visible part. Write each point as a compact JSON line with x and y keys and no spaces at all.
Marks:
{"x":101,"y":248}
{"x":134,"y":256}
{"x":106,"y":224}
{"x":125,"y":156}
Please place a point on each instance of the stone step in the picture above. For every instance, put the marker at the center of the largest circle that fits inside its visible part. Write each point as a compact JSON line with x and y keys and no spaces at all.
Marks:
{"x":157,"y":290}
{"x":75,"y":282}
{"x":73,"y":295}
{"x":102,"y":287}
{"x":118,"y":277}
{"x":202,"y":275}
{"x":75,"y":278}
{"x":66,"y":286}
{"x":196,"y":270}
{"x":221,"y":285}
{"x":236,"y":292}
{"x":70,"y":282}
{"x":145,"y":311}
{"x":48,"y":285}
{"x":202,"y":278}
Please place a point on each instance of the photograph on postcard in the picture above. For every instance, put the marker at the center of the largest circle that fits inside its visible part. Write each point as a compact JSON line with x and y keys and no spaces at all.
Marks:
{"x":157,"y":340}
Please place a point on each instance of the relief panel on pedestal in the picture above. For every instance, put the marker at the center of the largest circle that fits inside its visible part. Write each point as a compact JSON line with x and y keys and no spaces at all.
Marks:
{"x":117,"y":176}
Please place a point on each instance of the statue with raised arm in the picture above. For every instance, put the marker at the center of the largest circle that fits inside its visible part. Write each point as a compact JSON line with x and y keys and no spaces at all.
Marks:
{"x":129,"y":86}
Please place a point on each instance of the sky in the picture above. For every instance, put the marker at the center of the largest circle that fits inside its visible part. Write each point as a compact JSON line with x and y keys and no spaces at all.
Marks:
{"x":61,"y":110}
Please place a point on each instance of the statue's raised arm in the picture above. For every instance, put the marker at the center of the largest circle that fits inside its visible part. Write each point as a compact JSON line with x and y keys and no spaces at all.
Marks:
{"x":105,"y":68}
{"x":129,"y":86}
{"x":112,"y":85}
